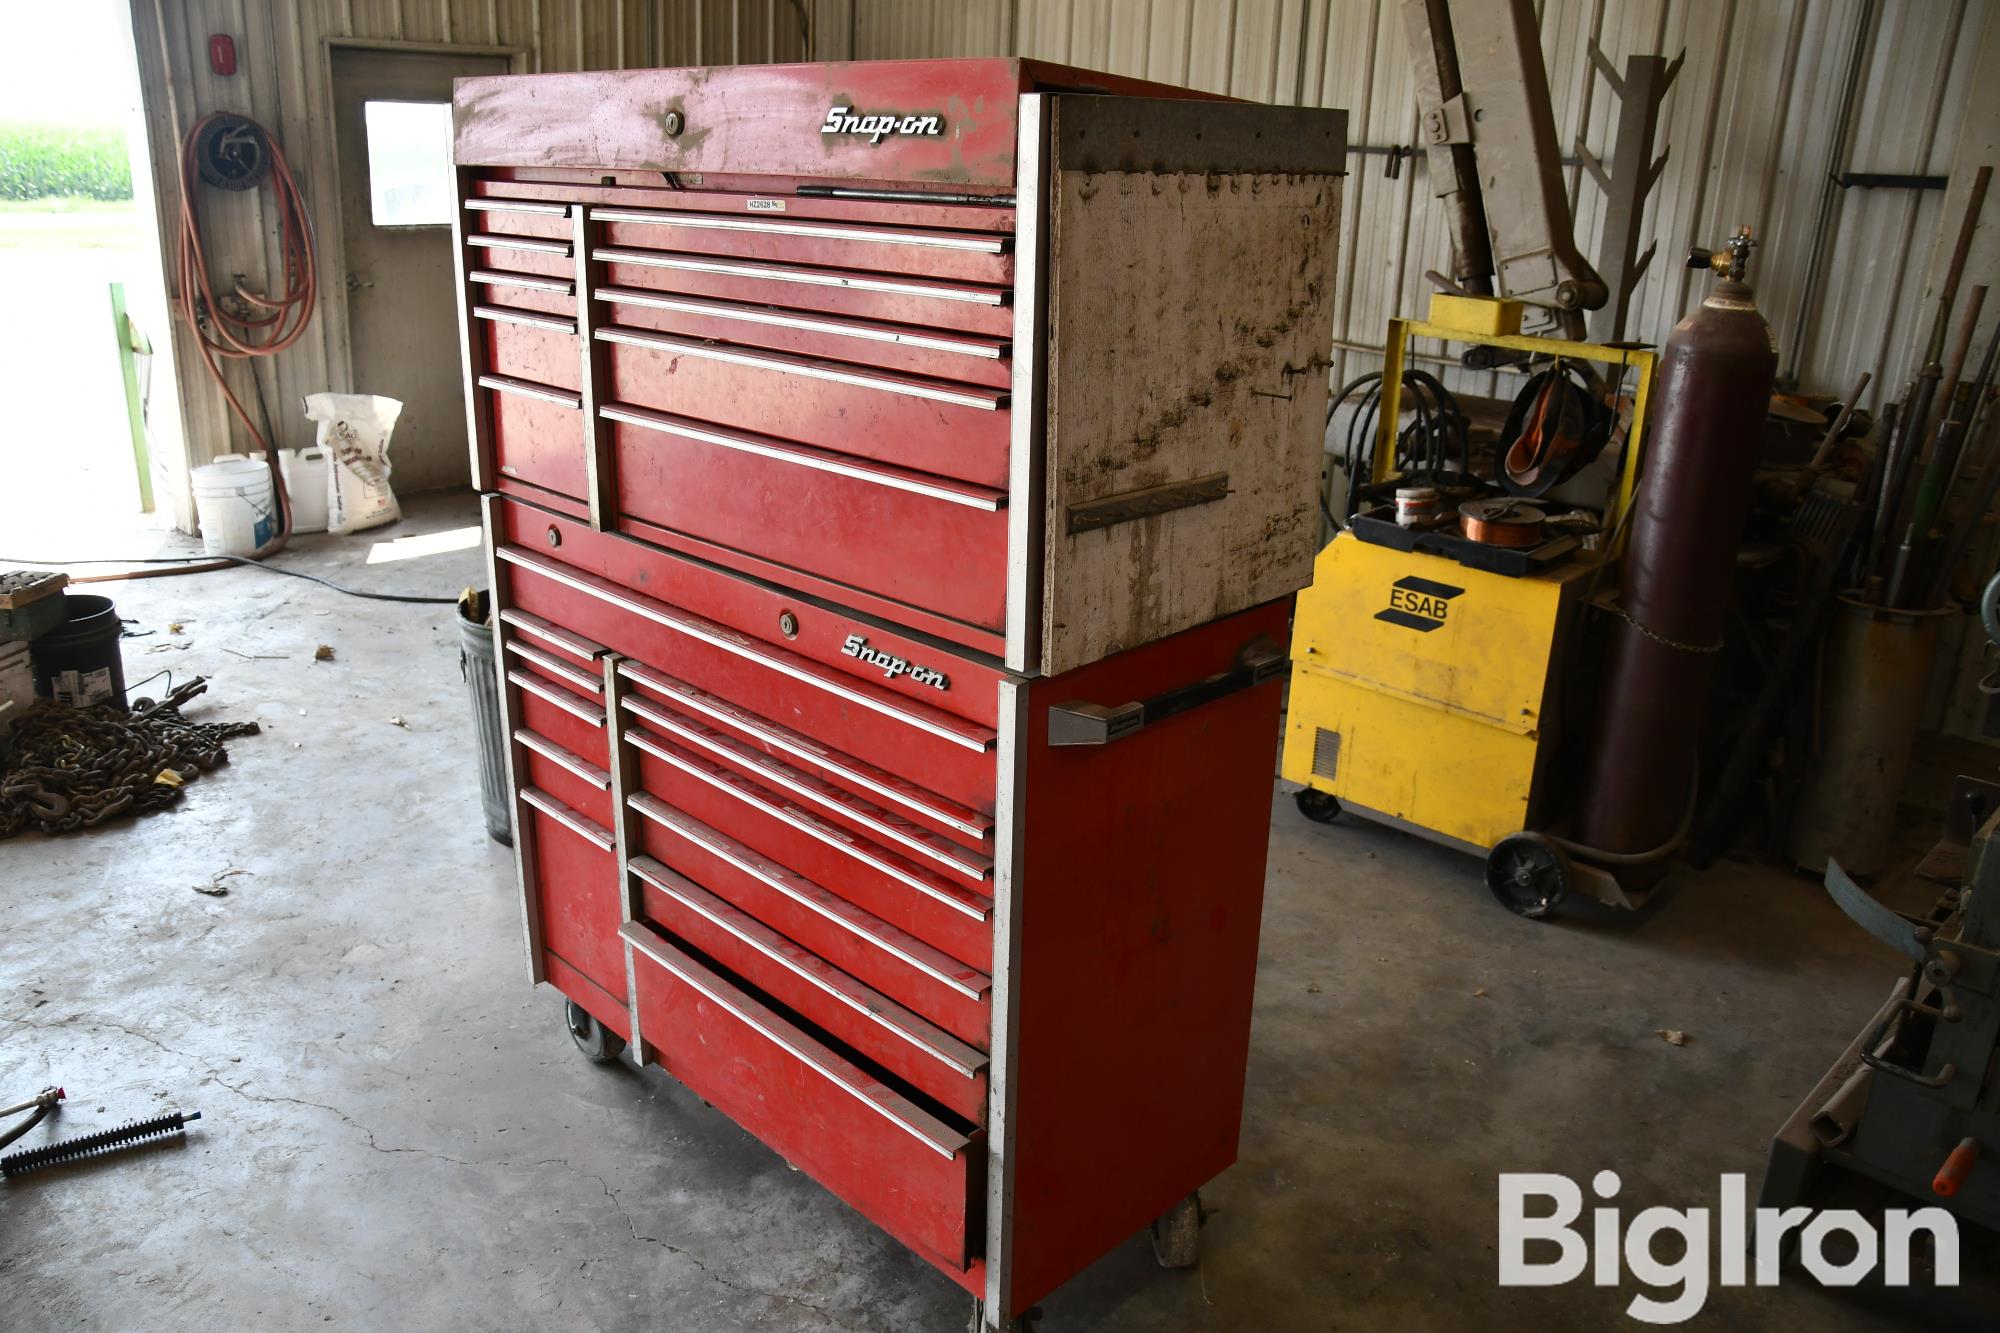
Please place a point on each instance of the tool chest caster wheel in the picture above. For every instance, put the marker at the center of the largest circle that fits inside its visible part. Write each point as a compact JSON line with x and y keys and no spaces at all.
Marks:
{"x":1316,"y":805}
{"x":1177,"y":1234}
{"x":599,"y":1044}
{"x":1529,"y":874}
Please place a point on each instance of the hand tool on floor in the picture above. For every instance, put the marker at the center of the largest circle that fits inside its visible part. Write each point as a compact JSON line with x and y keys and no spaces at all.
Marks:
{"x":64,"y":1151}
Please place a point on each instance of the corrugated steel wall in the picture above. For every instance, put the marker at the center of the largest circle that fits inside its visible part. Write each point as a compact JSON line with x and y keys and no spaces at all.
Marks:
{"x":282,"y":82}
{"x":1748,"y":126}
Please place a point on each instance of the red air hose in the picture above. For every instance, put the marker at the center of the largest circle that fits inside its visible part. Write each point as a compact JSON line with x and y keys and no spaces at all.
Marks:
{"x":245,"y":323}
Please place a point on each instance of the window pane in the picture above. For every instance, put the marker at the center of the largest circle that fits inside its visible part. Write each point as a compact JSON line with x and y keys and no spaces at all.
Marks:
{"x":409,"y":163}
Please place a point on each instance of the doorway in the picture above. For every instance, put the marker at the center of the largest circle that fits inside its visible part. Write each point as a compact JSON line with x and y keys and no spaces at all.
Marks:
{"x":392,"y":137}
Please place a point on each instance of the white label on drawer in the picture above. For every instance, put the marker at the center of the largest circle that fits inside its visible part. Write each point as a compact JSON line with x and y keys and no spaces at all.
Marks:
{"x":892,"y":666}
{"x":765,"y":205}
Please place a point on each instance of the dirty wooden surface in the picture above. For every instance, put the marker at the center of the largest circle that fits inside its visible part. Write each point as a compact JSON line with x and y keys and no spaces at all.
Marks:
{"x":1158,"y":384}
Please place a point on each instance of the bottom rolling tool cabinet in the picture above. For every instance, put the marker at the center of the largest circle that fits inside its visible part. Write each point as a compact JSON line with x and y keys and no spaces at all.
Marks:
{"x":895,"y":480}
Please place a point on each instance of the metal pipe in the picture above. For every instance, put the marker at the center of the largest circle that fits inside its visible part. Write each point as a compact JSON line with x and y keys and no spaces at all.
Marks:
{"x":1923,"y":511}
{"x":1825,"y":450}
{"x":1822,"y":214}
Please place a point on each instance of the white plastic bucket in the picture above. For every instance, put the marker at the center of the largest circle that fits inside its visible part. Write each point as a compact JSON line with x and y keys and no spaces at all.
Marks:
{"x":305,"y":484}
{"x":238,"y":512}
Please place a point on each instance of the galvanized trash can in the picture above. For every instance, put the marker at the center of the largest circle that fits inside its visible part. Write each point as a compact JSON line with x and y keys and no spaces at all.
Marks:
{"x":475,"y":663}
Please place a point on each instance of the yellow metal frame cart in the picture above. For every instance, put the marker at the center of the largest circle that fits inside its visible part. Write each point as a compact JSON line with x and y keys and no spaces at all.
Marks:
{"x":1427,"y":693}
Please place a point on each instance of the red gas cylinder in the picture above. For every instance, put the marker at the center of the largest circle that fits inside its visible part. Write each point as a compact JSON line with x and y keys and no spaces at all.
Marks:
{"x":1694,"y":495}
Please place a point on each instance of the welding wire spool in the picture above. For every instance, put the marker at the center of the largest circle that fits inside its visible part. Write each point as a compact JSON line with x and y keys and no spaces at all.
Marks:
{"x":1511,"y":523}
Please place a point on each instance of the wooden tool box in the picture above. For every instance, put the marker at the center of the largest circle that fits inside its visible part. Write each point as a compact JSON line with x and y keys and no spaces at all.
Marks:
{"x":896,"y":476}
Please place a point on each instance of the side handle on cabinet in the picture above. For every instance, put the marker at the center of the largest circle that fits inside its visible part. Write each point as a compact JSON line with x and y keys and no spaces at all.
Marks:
{"x":1080,"y":722}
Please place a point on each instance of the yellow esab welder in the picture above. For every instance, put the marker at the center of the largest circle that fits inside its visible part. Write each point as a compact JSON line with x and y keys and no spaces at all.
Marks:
{"x":1429,"y":655}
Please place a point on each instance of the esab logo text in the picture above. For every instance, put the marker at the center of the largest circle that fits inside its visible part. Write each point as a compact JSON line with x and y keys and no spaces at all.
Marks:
{"x":1418,"y":604}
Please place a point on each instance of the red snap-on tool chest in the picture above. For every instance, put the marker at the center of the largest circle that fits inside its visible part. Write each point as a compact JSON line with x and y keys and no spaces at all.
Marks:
{"x":895,"y":480}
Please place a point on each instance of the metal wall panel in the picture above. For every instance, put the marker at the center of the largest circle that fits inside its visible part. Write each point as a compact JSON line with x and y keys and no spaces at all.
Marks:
{"x":1749,"y":127}
{"x":283,"y":83}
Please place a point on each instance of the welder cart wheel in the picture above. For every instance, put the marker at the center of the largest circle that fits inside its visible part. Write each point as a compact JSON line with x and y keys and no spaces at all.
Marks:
{"x":1177,"y":1234}
{"x":1529,"y":874}
{"x":599,"y":1044}
{"x":1317,"y":805}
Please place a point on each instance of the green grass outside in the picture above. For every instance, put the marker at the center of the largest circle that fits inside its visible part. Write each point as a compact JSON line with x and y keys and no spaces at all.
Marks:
{"x":42,"y":161}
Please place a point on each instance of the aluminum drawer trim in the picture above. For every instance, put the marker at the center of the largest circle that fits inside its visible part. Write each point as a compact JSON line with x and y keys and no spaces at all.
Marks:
{"x":568,"y":818}
{"x":811,"y":277}
{"x":901,"y":479}
{"x":547,"y":393}
{"x":533,"y":282}
{"x":985,"y":400}
{"x":804,"y":670}
{"x":561,"y":670}
{"x":489,"y":204}
{"x":555,"y":754}
{"x":558,"y":696}
{"x":554,"y":635}
{"x":984,"y":243}
{"x":823,"y":976}
{"x":822,"y":902}
{"x":733,"y":752}
{"x":849,"y":769}
{"x":530,"y":244}
{"x":734,"y":784}
{"x":534,"y":319}
{"x":912,"y":1120}
{"x":985,"y":349}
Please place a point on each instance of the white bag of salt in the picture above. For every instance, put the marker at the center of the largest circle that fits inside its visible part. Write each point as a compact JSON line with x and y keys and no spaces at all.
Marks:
{"x":354,"y":431}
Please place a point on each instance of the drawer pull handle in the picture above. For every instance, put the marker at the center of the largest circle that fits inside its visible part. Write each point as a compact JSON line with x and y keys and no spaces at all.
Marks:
{"x":533,"y":282}
{"x":568,"y":818}
{"x":848,"y":769}
{"x":870,"y":929}
{"x":809,"y":277}
{"x":820,"y":460}
{"x":864,"y":1000}
{"x":534,"y":319}
{"x":985,"y":349}
{"x":558,"y":696}
{"x":977,"y":242}
{"x":529,"y":244}
{"x":555,"y":754}
{"x":734,"y":754}
{"x":742,"y":789}
{"x":918,"y":1124}
{"x":1079,"y":722}
{"x":934,"y":721}
{"x":985,"y":400}
{"x":529,"y":389}
{"x":561,"y":670}
{"x":554,"y":635}
{"x":545,"y":208}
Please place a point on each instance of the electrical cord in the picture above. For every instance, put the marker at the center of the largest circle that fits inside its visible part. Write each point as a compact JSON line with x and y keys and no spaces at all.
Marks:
{"x":202,"y":564}
{"x":258,"y":325}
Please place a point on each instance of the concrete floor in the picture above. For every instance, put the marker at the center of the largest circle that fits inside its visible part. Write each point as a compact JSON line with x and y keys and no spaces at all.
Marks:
{"x":397,"y":1132}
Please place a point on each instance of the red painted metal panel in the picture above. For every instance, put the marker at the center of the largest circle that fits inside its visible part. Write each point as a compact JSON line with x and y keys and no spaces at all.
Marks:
{"x":563,"y":774}
{"x":923,"y":302}
{"x":819,"y":634}
{"x":953,"y":917}
{"x":1139,"y":950}
{"x":874,"y":1026}
{"x":586,"y":186}
{"x":943,"y":990}
{"x":552,"y":711}
{"x":796,"y":508}
{"x":577,"y":880}
{"x":540,"y":356}
{"x":929,"y":425}
{"x":538,"y":442}
{"x":924,"y":252}
{"x":750,"y":119}
{"x":820,"y":763}
{"x":948,"y":354}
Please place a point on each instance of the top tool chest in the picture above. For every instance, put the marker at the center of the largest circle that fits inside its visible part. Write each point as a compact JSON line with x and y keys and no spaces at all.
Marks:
{"x":896,"y":475}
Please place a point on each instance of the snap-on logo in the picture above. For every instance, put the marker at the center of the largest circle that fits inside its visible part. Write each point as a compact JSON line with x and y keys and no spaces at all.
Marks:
{"x":892,"y":666}
{"x":1418,"y":604}
{"x":846,"y":120}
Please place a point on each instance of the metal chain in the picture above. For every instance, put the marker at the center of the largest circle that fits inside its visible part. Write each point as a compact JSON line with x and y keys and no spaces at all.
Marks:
{"x":70,"y":768}
{"x":1657,"y":637}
